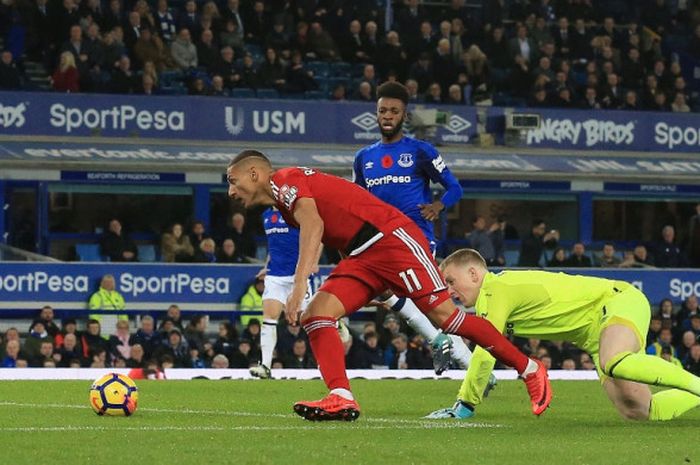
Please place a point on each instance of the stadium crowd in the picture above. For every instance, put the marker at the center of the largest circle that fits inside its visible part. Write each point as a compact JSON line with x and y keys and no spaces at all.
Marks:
{"x":585,"y":54}
{"x":387,"y":342}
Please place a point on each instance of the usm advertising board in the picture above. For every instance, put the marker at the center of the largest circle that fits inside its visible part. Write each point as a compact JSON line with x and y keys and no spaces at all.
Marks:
{"x":206,"y":118}
{"x":212,"y":288}
{"x":615,"y":130}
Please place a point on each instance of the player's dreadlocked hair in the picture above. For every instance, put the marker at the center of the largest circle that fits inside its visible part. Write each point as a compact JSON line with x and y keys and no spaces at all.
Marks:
{"x":393,"y":90}
{"x":246,"y":154}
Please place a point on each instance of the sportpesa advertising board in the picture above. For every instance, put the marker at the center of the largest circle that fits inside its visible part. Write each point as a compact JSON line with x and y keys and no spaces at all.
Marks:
{"x":206,"y":118}
{"x":212,"y":288}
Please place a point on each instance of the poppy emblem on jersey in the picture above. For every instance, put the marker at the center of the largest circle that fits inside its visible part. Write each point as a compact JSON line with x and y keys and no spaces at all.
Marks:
{"x":405,"y":160}
{"x":273,"y":218}
{"x":387,"y":162}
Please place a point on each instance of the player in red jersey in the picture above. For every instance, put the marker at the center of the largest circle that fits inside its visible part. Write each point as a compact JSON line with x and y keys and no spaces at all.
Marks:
{"x":383,"y":249}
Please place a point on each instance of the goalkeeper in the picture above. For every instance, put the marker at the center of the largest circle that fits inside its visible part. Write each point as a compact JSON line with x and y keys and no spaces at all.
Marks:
{"x":608,"y":319}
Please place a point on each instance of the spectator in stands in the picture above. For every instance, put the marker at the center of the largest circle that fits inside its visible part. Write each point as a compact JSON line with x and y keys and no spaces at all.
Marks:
{"x":145,"y":337}
{"x":148,"y":47}
{"x":250,"y":78}
{"x":174,"y":315}
{"x":654,"y":329}
{"x":68,"y":352}
{"x":480,"y":240}
{"x":195,"y":333}
{"x":278,"y":39}
{"x":206,"y":253}
{"x":183,"y":50}
{"x":640,"y":258}
{"x":228,"y":253}
{"x":107,"y":299}
{"x":231,"y":36}
{"x":252,"y":300}
{"x":12,"y":354}
{"x":217,"y":87}
{"x":286,"y":335}
{"x":176,"y":246}
{"x":257,"y":23}
{"x":227,"y":340}
{"x":434,"y":94}
{"x":352,"y":44}
{"x":532,"y":246}
{"x":166,"y":27}
{"x":665,"y":340}
{"x":666,"y":313}
{"x":220,"y":361}
{"x":252,"y":333}
{"x":37,"y":336}
{"x":226,"y":68}
{"x":405,"y":356}
{"x":272,"y":71}
{"x":240,"y":358}
{"x":65,"y":78}
{"x":364,"y":92}
{"x":69,"y":327}
{"x":136,"y":359}
{"x":680,"y":103}
{"x":422,"y":71}
{"x":46,"y":316}
{"x":207,"y":51}
{"x":688,"y":309}
{"x":119,"y":345}
{"x":10,"y":76}
{"x":321,"y":43}
{"x":299,"y":79}
{"x":559,"y":259}
{"x":692,"y":361}
{"x":245,"y":242}
{"x":578,"y":257}
{"x":688,"y":339}
{"x":454,"y":95}
{"x":92,"y":341}
{"x":197,"y":234}
{"x":694,"y":238}
{"x":177,"y":348}
{"x":390,"y":328}
{"x":124,"y":80}
{"x":116,"y":245}
{"x":300,"y":357}
{"x":608,"y":259}
{"x":44,"y":354}
{"x":667,"y":253}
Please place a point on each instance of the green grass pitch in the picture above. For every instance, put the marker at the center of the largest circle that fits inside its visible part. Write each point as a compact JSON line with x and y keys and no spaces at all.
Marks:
{"x":251,"y":422}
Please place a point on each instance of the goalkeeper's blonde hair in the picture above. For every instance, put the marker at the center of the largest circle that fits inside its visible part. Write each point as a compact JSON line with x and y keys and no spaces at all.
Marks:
{"x":464,"y":257}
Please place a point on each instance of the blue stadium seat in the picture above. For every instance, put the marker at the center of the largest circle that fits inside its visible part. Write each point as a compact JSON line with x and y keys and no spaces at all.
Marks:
{"x":267,"y":93}
{"x":319,"y":68}
{"x":340,"y":69}
{"x":147,"y":253}
{"x":255,"y":50}
{"x":357,"y":70}
{"x":314,"y":95}
{"x":243,"y":92}
{"x":89,"y":253}
{"x":512,"y":257}
{"x":333,"y":82}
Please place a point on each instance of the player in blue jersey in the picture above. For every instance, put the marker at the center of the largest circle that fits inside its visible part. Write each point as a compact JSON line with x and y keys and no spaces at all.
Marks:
{"x":282,"y":256}
{"x":399,"y":169}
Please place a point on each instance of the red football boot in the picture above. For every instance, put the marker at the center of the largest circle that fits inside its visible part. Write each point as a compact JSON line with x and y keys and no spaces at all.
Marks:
{"x":540,"y":390}
{"x":331,"y":407}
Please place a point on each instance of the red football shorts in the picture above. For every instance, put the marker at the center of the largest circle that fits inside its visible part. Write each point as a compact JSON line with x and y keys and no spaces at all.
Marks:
{"x":400,"y":261}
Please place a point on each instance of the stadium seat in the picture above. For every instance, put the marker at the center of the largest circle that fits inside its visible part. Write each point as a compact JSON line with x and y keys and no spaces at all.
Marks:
{"x":89,"y":253}
{"x":267,"y":93}
{"x":512,"y":257}
{"x":147,"y":253}
{"x":314,"y":95}
{"x":319,"y":68}
{"x":340,"y":69}
{"x":243,"y":92}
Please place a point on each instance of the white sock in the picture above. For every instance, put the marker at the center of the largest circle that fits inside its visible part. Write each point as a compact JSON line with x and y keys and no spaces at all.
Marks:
{"x":268,"y":340}
{"x":460,"y":352}
{"x":418,"y":321}
{"x":342,"y":392}
{"x":530,"y":368}
{"x":391,"y":301}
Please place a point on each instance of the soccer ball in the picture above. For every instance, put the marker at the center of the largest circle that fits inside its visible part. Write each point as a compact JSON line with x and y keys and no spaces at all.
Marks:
{"x":114,"y":395}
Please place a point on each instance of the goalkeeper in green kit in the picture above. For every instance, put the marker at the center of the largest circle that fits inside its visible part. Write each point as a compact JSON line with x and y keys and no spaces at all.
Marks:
{"x":608,"y":319}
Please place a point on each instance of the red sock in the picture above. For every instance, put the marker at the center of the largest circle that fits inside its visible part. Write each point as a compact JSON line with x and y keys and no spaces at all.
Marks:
{"x":328,"y":350}
{"x":483,"y":333}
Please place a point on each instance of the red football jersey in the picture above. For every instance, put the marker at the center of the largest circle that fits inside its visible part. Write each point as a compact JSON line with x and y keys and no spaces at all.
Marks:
{"x":343,"y":206}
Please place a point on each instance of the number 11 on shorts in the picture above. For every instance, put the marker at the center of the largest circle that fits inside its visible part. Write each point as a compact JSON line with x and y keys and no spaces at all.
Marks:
{"x":409,"y":273}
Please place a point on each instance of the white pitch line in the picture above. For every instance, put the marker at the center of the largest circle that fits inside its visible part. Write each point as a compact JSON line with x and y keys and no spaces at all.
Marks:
{"x":422,"y":423}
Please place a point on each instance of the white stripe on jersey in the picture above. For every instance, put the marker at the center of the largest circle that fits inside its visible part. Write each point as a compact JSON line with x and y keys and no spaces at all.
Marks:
{"x":456,"y":323}
{"x":422,"y":257}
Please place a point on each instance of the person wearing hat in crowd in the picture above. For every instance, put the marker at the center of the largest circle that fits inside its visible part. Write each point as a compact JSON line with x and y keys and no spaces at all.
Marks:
{"x":177,"y":348}
{"x":69,"y":326}
{"x":240,"y":358}
{"x":174,"y":315}
{"x":37,"y":335}
{"x":252,"y":301}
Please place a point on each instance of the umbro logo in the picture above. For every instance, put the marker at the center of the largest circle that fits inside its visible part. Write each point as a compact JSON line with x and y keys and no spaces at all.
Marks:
{"x":369,"y":165}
